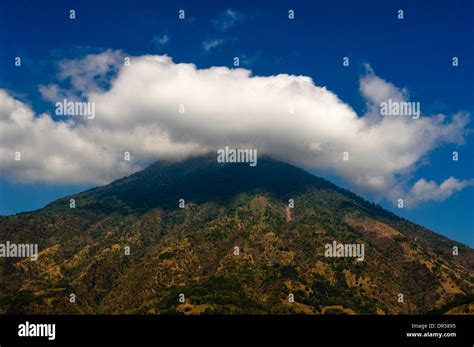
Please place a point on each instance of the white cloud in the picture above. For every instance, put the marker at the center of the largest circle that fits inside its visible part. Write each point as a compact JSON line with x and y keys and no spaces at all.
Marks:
{"x":139,"y":114}
{"x":85,"y":75}
{"x":376,"y":90}
{"x":424,"y":190}
{"x":53,"y":152}
{"x":52,"y":92}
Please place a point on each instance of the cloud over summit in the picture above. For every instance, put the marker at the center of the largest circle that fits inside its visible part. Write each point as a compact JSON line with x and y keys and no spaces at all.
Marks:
{"x":285,"y":116}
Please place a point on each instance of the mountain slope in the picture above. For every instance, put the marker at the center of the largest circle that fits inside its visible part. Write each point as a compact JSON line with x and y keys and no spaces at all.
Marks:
{"x":191,"y":250}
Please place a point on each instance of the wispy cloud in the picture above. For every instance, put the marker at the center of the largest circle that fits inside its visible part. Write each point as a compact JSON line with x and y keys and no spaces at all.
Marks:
{"x":210,"y":44}
{"x":250,"y":59}
{"x":227,"y":20}
{"x":160,"y":40}
{"x":222,"y":23}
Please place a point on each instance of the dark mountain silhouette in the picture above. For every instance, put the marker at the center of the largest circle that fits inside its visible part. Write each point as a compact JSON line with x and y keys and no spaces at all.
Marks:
{"x":235,"y":247}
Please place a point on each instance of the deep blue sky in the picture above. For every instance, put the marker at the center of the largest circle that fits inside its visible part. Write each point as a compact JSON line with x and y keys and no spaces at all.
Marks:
{"x":414,"y":53}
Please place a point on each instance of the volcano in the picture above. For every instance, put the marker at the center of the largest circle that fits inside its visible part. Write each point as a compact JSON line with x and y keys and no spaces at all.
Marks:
{"x":202,"y":237}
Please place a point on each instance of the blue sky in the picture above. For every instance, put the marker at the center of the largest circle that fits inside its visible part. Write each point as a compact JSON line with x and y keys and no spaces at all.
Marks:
{"x":413,"y":53}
